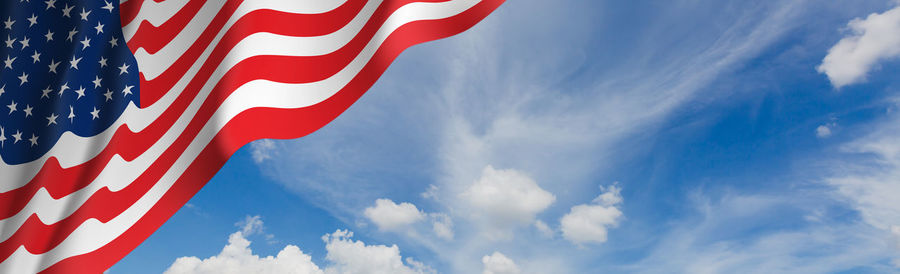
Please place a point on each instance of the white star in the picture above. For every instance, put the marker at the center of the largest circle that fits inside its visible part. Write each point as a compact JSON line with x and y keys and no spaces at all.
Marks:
{"x":12,"y":107}
{"x":8,"y":62}
{"x":109,"y":7}
{"x":45,"y":92}
{"x":23,"y":79}
{"x":2,"y":136}
{"x":28,"y":110}
{"x":36,"y":57}
{"x":84,"y":14}
{"x":102,"y":61}
{"x":72,"y":34}
{"x":9,"y":41}
{"x":127,"y":90}
{"x":52,"y":119}
{"x":71,"y":114}
{"x":108,"y":95}
{"x":95,"y":114}
{"x":24,"y":42}
{"x":53,"y":65}
{"x":74,"y":62}
{"x":32,"y":20}
{"x":49,"y":35}
{"x":113,"y":42}
{"x":2,"y":90}
{"x":17,"y":137}
{"x":99,"y":28}
{"x":96,"y":81}
{"x":80,"y":92}
{"x":9,"y":22}
{"x":123,"y":69}
{"x":67,"y":10}
{"x":33,"y":139}
{"x":86,"y":42}
{"x":50,"y":4}
{"x":62,"y":88}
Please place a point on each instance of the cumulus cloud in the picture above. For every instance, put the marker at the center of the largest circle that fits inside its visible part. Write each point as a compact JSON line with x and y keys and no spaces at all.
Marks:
{"x":545,"y":115}
{"x":588,"y":223}
{"x":506,"y":197}
{"x":345,"y":256}
{"x":498,"y":263}
{"x":389,"y":216}
{"x":237,"y":257}
{"x":352,"y":257}
{"x":871,"y":40}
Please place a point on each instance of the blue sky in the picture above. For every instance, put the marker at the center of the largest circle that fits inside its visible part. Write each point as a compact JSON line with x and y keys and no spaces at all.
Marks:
{"x":583,"y":137}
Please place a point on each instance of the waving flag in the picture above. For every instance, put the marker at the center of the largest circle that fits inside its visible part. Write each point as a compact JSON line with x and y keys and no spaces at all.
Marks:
{"x":116,"y":115}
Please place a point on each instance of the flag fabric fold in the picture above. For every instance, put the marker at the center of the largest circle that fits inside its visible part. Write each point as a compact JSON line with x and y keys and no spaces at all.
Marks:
{"x":117,"y":114}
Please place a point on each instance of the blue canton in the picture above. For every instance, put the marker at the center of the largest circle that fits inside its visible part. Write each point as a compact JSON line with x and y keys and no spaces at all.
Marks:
{"x":64,"y":66}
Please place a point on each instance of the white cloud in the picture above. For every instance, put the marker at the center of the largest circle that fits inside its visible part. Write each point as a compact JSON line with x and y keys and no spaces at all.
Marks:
{"x":871,"y":183}
{"x":823,"y":131}
{"x":237,"y":257}
{"x":895,"y":230}
{"x":498,"y":263}
{"x":389,"y":216}
{"x":588,"y":223}
{"x":543,"y":228}
{"x":744,"y":234}
{"x":872,"y":39}
{"x":506,"y":197}
{"x":352,"y":257}
{"x":872,"y":186}
{"x":442,"y":226}
{"x":250,"y":225}
{"x":262,"y":150}
{"x":345,"y":256}
{"x":544,"y":115}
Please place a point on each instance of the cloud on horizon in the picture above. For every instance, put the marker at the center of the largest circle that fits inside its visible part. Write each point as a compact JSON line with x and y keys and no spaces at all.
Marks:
{"x":345,"y":256}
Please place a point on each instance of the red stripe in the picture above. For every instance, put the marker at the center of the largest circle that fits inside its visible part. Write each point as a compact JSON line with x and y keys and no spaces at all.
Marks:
{"x":129,"y":145}
{"x":129,"y":10}
{"x":105,"y":205}
{"x":152,"y":38}
{"x":300,"y":25}
{"x":236,"y":134}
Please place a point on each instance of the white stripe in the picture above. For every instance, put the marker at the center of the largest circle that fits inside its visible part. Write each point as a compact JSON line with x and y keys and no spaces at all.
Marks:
{"x":119,"y":173}
{"x":155,"y":64}
{"x":154,"y":13}
{"x":158,"y":13}
{"x":93,"y":234}
{"x":70,"y":151}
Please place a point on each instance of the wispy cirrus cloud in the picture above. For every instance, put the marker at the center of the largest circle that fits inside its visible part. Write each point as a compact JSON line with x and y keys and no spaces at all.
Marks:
{"x":446,"y":111}
{"x":756,"y":233}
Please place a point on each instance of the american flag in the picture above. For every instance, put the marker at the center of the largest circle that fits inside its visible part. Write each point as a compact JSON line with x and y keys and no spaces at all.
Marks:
{"x":115,"y":115}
